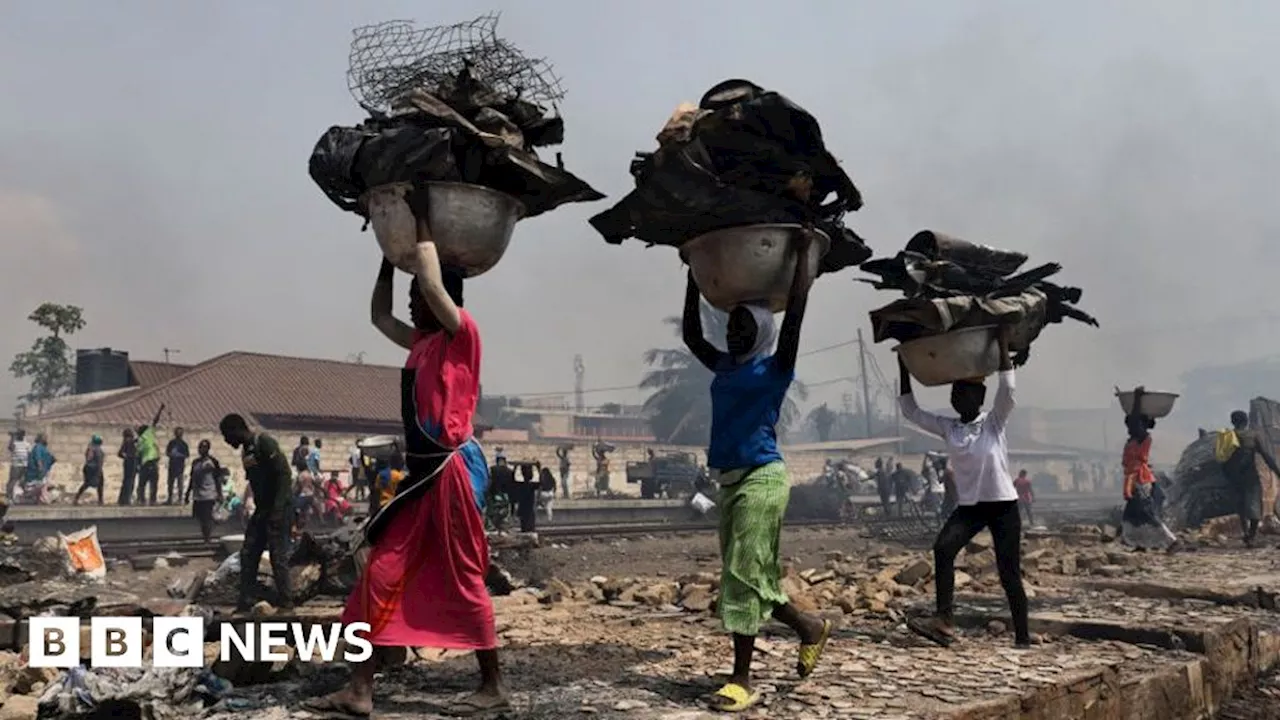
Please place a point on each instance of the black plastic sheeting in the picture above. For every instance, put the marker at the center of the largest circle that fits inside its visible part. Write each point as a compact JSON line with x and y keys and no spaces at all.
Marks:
{"x":977,"y":283}
{"x":347,"y":161}
{"x":751,"y":156}
{"x":468,"y":134}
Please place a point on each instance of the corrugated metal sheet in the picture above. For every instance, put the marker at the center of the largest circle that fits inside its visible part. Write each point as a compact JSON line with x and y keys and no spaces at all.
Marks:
{"x":147,"y":374}
{"x":251,"y":383}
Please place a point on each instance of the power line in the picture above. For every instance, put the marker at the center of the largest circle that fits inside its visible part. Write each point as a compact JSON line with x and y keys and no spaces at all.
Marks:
{"x":846,"y":343}
{"x":619,"y":388}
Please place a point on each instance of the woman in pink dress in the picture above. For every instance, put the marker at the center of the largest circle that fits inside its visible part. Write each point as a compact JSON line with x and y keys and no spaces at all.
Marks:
{"x":336,"y":505}
{"x":424,"y":584}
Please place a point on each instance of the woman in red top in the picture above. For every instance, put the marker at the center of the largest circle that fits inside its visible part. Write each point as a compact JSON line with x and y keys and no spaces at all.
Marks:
{"x":424,"y":584}
{"x":1141,"y":527}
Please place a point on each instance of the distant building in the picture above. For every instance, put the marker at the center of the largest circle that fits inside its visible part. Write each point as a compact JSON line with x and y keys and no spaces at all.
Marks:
{"x":563,"y":424}
{"x":274,"y":392}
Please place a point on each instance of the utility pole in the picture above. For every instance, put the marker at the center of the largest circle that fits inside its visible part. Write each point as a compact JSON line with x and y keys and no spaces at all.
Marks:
{"x":168,"y":352}
{"x":866,"y":389}
{"x":579,"y":376}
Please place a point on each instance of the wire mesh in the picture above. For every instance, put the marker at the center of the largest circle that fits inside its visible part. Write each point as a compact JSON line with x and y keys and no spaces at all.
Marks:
{"x":390,"y":58}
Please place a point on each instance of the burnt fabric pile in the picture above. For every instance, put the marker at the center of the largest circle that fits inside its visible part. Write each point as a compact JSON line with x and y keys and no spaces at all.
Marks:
{"x":454,"y":114}
{"x":952,"y":284}
{"x":742,"y":156}
{"x":1200,"y":489}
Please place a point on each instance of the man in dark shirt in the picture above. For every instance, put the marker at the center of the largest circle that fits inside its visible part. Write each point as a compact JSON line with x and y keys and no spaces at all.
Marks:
{"x":1241,"y":471}
{"x":502,"y":480}
{"x":177,"y":452}
{"x":901,"y":480}
{"x":271,"y":482}
{"x":300,"y":454}
{"x":128,"y":454}
{"x":525,"y":491}
{"x":884,"y":486}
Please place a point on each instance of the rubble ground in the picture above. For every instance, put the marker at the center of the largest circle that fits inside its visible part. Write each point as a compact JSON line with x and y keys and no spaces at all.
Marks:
{"x":627,"y":629}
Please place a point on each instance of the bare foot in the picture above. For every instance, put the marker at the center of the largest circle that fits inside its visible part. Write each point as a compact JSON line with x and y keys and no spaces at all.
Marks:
{"x":342,"y":703}
{"x":484,"y":700}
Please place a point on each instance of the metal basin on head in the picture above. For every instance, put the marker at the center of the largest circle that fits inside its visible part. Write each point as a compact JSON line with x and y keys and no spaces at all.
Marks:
{"x":1154,"y":404}
{"x":749,"y":264}
{"x":956,"y":355}
{"x":471,"y":225}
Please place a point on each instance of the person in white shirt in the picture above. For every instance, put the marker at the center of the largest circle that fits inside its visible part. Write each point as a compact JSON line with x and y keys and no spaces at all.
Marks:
{"x":19,"y":451}
{"x":979,"y":458}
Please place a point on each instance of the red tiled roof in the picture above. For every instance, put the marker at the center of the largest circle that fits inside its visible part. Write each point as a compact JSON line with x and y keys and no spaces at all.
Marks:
{"x":253,"y":384}
{"x":147,"y":373}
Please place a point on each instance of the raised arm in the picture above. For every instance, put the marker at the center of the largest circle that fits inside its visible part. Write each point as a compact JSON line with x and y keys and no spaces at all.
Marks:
{"x":431,"y":282}
{"x":691,"y":328}
{"x":1267,"y":457}
{"x":923,"y":419}
{"x":797,"y":299}
{"x":155,"y":421}
{"x":380,"y":308}
{"x":1004,"y":402}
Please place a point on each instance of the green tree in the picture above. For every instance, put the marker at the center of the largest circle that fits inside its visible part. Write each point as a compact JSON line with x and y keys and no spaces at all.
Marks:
{"x":48,"y":363}
{"x":679,"y":402}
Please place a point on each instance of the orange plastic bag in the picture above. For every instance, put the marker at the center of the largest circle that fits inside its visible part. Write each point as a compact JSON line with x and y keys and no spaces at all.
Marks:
{"x":84,"y":553}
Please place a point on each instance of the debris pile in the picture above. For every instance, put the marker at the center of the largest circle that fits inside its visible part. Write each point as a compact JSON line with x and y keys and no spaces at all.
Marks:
{"x":742,"y":156}
{"x":454,"y":104}
{"x":153,"y":693}
{"x":952,"y":284}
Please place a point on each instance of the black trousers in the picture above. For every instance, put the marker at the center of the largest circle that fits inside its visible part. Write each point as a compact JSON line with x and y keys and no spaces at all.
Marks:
{"x":203,"y":512}
{"x":175,"y":479}
{"x":127,"y":482}
{"x":1005,"y":524}
{"x":148,"y":479}
{"x":526,"y":496}
{"x":266,"y":531}
{"x":92,"y":479}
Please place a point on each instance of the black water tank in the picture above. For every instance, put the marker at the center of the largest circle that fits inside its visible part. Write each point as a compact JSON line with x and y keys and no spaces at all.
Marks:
{"x":101,"y":369}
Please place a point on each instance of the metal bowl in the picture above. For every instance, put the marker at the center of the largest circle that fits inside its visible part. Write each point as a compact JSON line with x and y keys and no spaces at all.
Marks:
{"x":1154,"y":404}
{"x":470,"y":224}
{"x":749,"y":264}
{"x":956,"y":355}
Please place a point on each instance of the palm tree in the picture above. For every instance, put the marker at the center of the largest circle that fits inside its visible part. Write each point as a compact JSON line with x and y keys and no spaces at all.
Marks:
{"x":679,"y":403}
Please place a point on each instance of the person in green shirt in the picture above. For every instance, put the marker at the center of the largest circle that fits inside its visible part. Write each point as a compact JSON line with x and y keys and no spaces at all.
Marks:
{"x":270,"y":481}
{"x":148,"y":459}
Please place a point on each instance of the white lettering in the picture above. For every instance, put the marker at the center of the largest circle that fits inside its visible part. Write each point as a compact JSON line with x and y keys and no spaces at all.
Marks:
{"x":116,"y":641}
{"x":177,"y":642}
{"x":54,"y":642}
{"x":316,"y":635}
{"x":355,"y":635}
{"x":273,"y":635}
{"x":232,"y":635}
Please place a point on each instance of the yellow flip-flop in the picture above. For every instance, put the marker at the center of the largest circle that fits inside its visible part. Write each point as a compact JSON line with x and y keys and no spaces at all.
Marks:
{"x":741,"y":698}
{"x":810,"y":654}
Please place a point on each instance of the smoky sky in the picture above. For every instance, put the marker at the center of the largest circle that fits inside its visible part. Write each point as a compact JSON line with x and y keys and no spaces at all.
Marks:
{"x":153,"y":170}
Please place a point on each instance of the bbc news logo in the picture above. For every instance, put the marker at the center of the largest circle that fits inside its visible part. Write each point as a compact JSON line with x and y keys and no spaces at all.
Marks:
{"x":178,"y":642}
